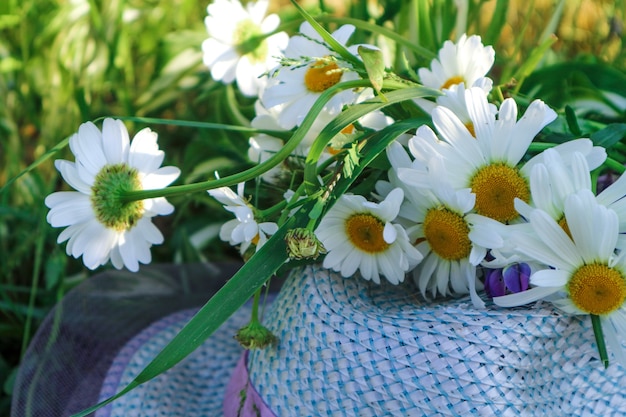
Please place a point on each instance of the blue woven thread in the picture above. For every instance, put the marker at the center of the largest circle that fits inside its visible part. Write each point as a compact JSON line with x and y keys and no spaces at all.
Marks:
{"x":364,"y":361}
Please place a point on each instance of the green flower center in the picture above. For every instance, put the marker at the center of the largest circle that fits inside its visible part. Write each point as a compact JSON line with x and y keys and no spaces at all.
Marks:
{"x":496,"y":186}
{"x":447,"y":234}
{"x":245,"y":37}
{"x":597,"y":289}
{"x":366,"y":233}
{"x":109,"y":209}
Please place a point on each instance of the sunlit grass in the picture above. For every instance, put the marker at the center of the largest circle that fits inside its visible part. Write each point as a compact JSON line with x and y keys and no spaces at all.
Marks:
{"x":66,"y":62}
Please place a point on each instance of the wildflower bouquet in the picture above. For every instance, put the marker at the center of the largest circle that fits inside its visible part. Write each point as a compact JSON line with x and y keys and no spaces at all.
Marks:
{"x":382,"y":160}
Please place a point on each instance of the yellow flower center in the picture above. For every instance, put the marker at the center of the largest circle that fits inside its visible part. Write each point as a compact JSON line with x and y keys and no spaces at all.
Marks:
{"x":322,"y":75}
{"x":457,"y":79}
{"x":496,"y":186}
{"x":447,"y":234}
{"x":597,"y":289}
{"x":366,"y":233}
{"x":108,"y":208}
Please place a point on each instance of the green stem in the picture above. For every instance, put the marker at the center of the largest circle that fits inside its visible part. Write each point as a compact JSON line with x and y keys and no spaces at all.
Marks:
{"x":269,"y":212}
{"x":540,"y":146}
{"x":255,"y":306}
{"x":257,"y":170}
{"x":34,"y":288}
{"x":614,"y":165}
{"x":370,"y":27}
{"x":597,"y":332}
{"x":233,"y":107}
{"x":202,"y":125}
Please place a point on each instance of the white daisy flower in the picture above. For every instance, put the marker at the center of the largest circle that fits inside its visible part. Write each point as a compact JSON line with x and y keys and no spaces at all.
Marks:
{"x":226,"y":52}
{"x":359,"y":235}
{"x":552,"y":181}
{"x":485,"y":160}
{"x":585,"y":275}
{"x":466,"y":61}
{"x":434,"y":215}
{"x":454,"y":98}
{"x":319,"y":69}
{"x":100,"y":227}
{"x":244,"y":229}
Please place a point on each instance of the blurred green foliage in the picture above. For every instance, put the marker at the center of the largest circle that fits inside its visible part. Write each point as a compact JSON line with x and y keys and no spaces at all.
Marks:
{"x":63,"y":62}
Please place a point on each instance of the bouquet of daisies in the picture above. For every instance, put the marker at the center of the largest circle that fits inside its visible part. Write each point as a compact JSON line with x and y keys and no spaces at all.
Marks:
{"x":376,"y":169}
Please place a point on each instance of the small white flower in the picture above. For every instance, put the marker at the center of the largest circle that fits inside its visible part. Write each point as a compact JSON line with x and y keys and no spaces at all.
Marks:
{"x":99,"y":226}
{"x":359,"y":235}
{"x":319,"y":69}
{"x":226,"y":53}
{"x":585,"y":274}
{"x":244,"y":229}
{"x":467,"y":61}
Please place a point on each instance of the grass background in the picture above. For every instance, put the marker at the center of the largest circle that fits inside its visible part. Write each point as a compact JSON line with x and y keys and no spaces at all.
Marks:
{"x":64,"y":62}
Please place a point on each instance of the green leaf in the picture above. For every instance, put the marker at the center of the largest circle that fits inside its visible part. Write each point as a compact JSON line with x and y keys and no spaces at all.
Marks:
{"x":564,"y":83}
{"x":38,"y":162}
{"x":351,"y":160}
{"x":261,"y":266}
{"x":9,"y":20}
{"x":317,"y":210}
{"x":610,"y":135}
{"x":350,"y":116}
{"x":419,"y":50}
{"x":10,"y":64}
{"x":375,"y":67}
{"x":533,"y":60}
{"x":497,"y":21}
{"x":572,"y":121}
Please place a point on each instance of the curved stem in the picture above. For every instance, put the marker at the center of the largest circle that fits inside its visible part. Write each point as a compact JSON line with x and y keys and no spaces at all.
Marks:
{"x":614,"y":165}
{"x":255,"y":171}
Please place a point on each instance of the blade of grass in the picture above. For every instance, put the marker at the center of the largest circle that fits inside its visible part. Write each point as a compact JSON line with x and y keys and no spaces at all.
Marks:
{"x":38,"y":162}
{"x":332,"y":42}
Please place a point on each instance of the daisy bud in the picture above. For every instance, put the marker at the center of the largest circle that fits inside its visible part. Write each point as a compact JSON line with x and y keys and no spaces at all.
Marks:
{"x":255,"y":336}
{"x":303,"y":244}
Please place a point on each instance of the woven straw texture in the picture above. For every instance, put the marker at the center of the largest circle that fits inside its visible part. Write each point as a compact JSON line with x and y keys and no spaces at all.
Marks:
{"x":349,"y":347}
{"x":194,"y":387}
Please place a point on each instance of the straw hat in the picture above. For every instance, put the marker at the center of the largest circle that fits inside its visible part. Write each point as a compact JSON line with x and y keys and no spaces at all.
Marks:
{"x":346,"y":347}
{"x":350,"y":347}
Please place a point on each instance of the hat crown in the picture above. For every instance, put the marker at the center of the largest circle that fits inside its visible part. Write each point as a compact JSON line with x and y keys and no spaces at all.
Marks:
{"x":348,"y":346}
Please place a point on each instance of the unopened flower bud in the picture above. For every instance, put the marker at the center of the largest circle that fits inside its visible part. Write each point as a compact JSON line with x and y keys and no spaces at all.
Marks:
{"x":255,"y":336}
{"x":303,"y":244}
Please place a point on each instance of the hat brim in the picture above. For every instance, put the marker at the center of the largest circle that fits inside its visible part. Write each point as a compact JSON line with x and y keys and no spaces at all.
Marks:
{"x":106,"y":330}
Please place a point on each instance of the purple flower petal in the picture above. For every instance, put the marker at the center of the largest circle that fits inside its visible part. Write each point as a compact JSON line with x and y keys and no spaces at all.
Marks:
{"x":517,"y":277}
{"x":494,"y":283}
